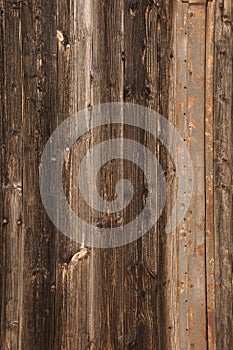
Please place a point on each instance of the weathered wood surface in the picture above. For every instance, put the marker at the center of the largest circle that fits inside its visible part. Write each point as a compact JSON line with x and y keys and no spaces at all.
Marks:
{"x":223,"y":157}
{"x":162,"y":291}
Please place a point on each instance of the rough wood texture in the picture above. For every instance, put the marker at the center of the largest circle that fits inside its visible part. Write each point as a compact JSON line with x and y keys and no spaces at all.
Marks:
{"x":162,"y":291}
{"x":223,"y":153}
{"x":11,"y":176}
{"x":209,"y":151}
{"x":190,"y":122}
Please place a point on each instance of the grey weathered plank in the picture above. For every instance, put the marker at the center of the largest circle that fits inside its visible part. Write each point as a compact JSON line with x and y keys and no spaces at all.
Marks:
{"x":190,"y":122}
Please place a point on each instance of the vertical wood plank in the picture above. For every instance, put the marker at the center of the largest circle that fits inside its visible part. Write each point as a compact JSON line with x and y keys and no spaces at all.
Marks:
{"x":223,"y":172}
{"x":39,"y":45}
{"x":74,"y":72}
{"x":134,"y":290}
{"x":11,"y":174}
{"x":108,"y":264}
{"x":209,"y":181}
{"x":190,"y":94}
{"x":147,"y":81}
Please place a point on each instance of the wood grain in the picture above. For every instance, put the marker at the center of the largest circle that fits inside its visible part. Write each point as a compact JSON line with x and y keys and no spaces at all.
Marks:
{"x":163,"y":291}
{"x":223,"y":173}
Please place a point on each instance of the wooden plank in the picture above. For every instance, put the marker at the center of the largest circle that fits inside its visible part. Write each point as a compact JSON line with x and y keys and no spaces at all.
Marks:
{"x":39,"y":46}
{"x":11,"y":175}
{"x":107,"y":86}
{"x":190,"y":72}
{"x":223,"y":173}
{"x":74,"y":275}
{"x":90,"y":313}
{"x":157,"y":246}
{"x":209,"y":181}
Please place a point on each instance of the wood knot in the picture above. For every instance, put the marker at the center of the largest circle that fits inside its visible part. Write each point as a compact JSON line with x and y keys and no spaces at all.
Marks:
{"x":148,"y":93}
{"x":62,"y":38}
{"x":128,"y":92}
{"x":14,"y":323}
{"x":81,"y":254}
{"x":133,"y":9}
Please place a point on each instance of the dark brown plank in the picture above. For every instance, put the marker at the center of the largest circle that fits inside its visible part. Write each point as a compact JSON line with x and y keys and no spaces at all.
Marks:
{"x":11,"y":175}
{"x":223,"y":173}
{"x":148,"y":62}
{"x":39,"y":49}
